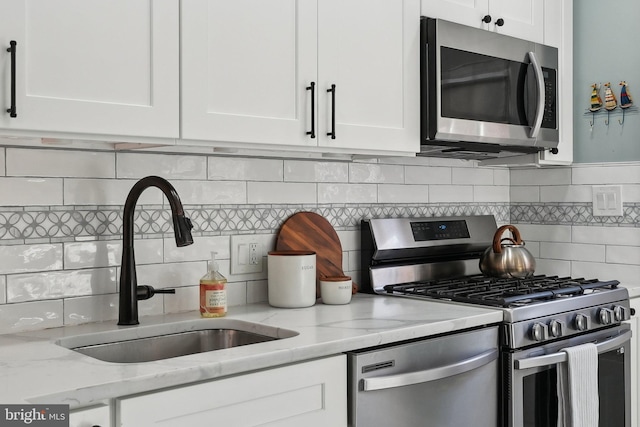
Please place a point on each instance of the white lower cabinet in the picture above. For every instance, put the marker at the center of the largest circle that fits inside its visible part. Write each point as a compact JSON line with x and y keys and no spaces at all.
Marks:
{"x":94,"y":416}
{"x":635,"y":372}
{"x":306,"y":394}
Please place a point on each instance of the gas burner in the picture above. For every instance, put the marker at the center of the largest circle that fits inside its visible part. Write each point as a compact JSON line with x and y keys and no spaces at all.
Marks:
{"x":502,"y":292}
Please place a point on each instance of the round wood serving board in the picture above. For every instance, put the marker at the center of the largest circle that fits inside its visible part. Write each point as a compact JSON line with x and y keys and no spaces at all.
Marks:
{"x":308,"y":231}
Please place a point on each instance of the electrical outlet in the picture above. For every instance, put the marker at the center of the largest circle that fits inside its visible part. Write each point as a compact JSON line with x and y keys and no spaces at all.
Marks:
{"x":246,"y":254}
{"x":254,"y":256}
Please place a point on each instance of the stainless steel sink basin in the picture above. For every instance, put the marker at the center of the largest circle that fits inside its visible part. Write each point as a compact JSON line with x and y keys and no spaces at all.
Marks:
{"x":161,"y":342}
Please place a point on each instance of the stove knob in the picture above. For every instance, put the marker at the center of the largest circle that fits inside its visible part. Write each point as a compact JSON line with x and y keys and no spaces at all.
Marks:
{"x":556,"y":328}
{"x":582,"y":322}
{"x":606,"y":316}
{"x":539,"y":332}
{"x":620,"y":313}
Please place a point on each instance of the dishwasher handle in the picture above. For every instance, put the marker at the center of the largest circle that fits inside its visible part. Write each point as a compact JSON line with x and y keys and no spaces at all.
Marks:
{"x":411,"y":378}
{"x":561,"y":356}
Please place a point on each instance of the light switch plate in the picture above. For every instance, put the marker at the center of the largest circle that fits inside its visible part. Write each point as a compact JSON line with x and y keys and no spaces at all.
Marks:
{"x":246,"y":254}
{"x":607,"y":200}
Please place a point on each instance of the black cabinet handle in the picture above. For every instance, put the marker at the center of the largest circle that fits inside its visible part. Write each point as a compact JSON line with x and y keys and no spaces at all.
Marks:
{"x":312,"y":88}
{"x":12,"y":49}
{"x":486,"y":19}
{"x":332,"y":134}
{"x":500,"y":22}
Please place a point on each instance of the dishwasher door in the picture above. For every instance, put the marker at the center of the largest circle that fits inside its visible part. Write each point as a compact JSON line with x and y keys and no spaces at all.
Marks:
{"x":449,"y":380}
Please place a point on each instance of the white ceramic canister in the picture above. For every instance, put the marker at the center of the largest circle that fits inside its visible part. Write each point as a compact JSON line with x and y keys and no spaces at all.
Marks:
{"x":291,"y":278}
{"x":335,"y":289}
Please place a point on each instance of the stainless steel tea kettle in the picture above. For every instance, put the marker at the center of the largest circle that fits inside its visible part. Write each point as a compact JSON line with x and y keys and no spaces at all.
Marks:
{"x":507,"y":257}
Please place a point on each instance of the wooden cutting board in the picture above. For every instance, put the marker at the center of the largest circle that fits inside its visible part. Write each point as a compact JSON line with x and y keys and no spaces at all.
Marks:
{"x":308,"y":231}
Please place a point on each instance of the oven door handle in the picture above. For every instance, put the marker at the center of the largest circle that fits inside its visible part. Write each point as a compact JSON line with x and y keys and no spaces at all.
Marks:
{"x":561,"y":356}
{"x":411,"y":378}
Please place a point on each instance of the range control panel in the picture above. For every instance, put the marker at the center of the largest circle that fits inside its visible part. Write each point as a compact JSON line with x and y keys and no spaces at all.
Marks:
{"x":439,"y":230}
{"x":563,"y":325}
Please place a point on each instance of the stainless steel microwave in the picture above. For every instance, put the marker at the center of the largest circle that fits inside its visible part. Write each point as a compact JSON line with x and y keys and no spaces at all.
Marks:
{"x":486,"y":95}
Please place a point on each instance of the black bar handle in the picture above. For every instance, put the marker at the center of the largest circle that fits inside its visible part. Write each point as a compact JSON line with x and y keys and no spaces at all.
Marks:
{"x":312,"y":88}
{"x":332,"y":134}
{"x":12,"y":49}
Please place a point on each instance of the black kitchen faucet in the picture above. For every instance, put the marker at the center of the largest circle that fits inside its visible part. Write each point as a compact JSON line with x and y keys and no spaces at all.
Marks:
{"x":130,"y":292}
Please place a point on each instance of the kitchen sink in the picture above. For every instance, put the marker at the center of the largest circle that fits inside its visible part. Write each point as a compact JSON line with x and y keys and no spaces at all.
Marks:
{"x":159,"y":342}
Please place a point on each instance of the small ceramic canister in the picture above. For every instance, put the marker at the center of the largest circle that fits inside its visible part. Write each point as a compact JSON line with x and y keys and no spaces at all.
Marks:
{"x":335,"y":289}
{"x":291,"y":278}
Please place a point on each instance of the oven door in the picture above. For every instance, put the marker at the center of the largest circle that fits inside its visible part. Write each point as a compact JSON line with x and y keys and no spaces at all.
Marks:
{"x":531,"y":397}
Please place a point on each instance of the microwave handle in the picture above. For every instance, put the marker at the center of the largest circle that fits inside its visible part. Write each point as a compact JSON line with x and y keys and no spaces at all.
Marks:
{"x":411,"y":378}
{"x":537,"y":122}
{"x":561,"y":356}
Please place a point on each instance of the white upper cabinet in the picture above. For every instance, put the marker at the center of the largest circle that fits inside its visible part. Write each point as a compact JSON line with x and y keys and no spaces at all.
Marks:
{"x":369,"y":49}
{"x":245,"y":68}
{"x":248,"y":69}
{"x":107,"y":67}
{"x":518,"y":18}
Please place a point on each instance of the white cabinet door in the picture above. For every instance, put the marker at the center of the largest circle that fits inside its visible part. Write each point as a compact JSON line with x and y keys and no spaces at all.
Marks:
{"x":91,"y":417}
{"x":369,"y":49}
{"x":100,"y":67}
{"x":466,"y":12}
{"x":311,"y":394}
{"x":521,"y":18}
{"x":635,"y":361}
{"x":245,"y":68}
{"x":517,"y":18}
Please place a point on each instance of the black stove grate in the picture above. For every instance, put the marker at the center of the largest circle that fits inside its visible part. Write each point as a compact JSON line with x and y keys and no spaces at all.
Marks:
{"x":484,"y":290}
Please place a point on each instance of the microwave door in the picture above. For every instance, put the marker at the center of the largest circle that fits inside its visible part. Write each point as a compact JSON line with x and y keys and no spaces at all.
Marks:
{"x":483,"y":98}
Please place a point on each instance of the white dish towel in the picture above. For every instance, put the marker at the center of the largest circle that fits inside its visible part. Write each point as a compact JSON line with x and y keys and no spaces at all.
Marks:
{"x":578,"y":404}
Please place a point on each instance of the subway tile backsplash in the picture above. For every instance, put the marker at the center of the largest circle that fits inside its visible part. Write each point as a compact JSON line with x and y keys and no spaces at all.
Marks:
{"x":61,"y":220}
{"x":553,"y":209}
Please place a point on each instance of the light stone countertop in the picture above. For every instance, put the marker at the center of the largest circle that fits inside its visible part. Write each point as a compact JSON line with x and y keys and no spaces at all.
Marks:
{"x":633,"y":288}
{"x":34,"y":369}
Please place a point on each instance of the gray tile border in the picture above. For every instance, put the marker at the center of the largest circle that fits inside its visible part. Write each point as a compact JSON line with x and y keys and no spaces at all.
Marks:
{"x":572,"y":214}
{"x":105,"y":222}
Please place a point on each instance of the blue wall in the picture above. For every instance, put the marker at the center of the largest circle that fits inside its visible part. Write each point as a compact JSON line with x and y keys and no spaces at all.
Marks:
{"x":606,"y":49}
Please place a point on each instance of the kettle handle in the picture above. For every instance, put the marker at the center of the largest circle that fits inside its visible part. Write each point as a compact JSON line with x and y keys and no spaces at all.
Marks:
{"x":497,"y":238}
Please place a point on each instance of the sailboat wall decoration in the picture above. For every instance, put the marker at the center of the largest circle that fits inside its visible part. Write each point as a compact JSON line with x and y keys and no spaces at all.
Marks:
{"x":596,"y":101}
{"x":625,"y":98}
{"x":610,"y":103}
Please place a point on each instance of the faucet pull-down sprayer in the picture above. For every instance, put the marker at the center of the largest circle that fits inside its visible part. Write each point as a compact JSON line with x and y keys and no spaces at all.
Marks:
{"x":130,"y":292}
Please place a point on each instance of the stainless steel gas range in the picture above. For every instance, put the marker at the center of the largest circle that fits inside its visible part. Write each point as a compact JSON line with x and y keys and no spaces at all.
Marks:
{"x":438,"y":259}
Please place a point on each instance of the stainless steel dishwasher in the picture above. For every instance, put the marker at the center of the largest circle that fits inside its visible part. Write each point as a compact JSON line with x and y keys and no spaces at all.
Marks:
{"x":449,"y":380}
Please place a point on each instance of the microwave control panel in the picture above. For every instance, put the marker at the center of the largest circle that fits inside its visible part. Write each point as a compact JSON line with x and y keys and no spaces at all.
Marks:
{"x":550,"y":117}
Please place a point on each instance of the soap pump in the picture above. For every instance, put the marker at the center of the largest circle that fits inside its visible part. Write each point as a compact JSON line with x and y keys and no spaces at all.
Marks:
{"x":213,"y":291}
